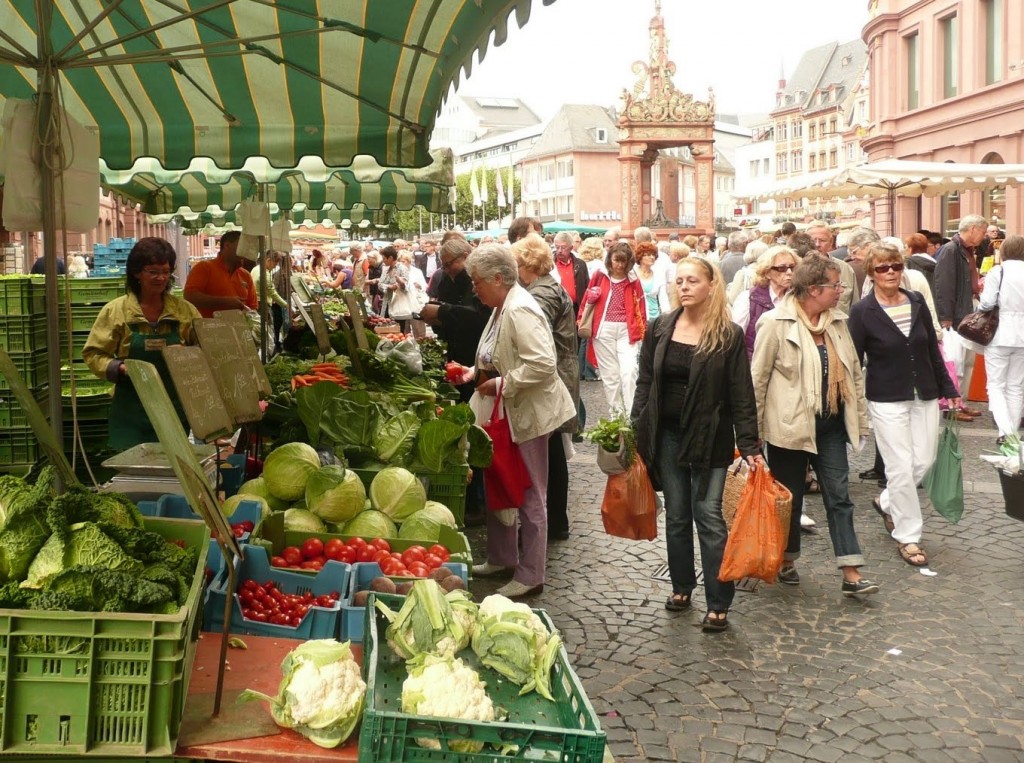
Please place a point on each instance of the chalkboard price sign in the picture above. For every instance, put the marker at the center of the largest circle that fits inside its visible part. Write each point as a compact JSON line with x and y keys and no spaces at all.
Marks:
{"x":198,"y":391}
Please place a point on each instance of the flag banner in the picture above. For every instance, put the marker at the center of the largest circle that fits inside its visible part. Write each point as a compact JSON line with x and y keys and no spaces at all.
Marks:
{"x":474,"y":187}
{"x":483,"y":185}
{"x":500,"y":196}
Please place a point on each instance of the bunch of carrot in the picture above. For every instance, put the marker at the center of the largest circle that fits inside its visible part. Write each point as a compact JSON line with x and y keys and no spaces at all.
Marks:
{"x":318,"y":373}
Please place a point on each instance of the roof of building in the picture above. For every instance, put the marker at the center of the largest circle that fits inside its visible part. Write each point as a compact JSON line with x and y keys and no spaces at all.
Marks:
{"x":501,"y":113}
{"x":822,"y":67}
{"x":574,"y":128}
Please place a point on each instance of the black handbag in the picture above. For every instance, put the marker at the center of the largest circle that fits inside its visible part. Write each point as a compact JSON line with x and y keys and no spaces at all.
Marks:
{"x":980,"y":326}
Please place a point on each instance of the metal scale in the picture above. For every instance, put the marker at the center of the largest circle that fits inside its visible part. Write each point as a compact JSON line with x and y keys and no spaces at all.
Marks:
{"x":145,"y":473}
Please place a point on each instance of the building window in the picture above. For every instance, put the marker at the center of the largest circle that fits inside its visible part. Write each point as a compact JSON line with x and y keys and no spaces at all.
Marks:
{"x":913,"y":71}
{"x":994,"y":27}
{"x":547,"y":172}
{"x":833,"y":158}
{"x":767,"y":168}
{"x":600,"y":135}
{"x":564,"y":168}
{"x":797,"y":159}
{"x":754,"y":166}
{"x":782,"y":163}
{"x":798,"y":129}
{"x":950,"y":62}
{"x":811,"y":130}
{"x":950,"y":213}
{"x":783,"y":130}
{"x":832,"y":125}
{"x":812,"y":163}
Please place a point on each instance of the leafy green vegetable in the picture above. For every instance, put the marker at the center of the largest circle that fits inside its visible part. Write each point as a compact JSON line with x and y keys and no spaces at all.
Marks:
{"x":303,"y":520}
{"x":321,"y":695}
{"x":425,"y":524}
{"x":395,"y":438}
{"x":440,"y":443}
{"x":258,"y":486}
{"x":370,"y":523}
{"x":481,"y":448}
{"x":335,"y":494}
{"x":86,"y":546}
{"x":397,"y":493}
{"x":287,"y":468}
{"x":611,"y":433}
{"x":430,"y":622}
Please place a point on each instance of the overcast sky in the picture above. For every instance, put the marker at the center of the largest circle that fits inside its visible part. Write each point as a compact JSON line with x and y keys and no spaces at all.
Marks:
{"x":582,"y":51}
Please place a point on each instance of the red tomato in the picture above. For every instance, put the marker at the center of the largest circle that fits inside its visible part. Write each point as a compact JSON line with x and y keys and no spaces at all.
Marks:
{"x":259,"y":617}
{"x":347,"y":555}
{"x":295,"y":621}
{"x":333,"y":547}
{"x":433,"y":561}
{"x":381,"y":556}
{"x":419,"y":569}
{"x":366,"y":553}
{"x":388,"y":566}
{"x":356,"y":541}
{"x":312,"y":548}
{"x":292,"y":555}
{"x":440,"y":551}
{"x":325,"y":601}
{"x":278,"y":561}
{"x":413,"y":554}
{"x":381,"y":543}
{"x":311,"y":564}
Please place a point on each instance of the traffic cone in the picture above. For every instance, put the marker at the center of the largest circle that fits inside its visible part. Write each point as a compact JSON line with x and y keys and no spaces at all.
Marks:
{"x":977,"y":392}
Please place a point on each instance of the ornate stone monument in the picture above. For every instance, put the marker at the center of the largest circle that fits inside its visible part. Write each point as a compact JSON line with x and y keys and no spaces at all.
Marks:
{"x":655,"y":115}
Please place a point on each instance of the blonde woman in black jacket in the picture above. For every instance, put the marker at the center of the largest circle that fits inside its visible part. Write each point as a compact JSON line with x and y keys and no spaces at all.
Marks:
{"x":694,"y":405}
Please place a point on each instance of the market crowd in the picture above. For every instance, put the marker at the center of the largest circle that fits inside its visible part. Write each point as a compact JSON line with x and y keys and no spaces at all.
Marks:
{"x":785,"y":348}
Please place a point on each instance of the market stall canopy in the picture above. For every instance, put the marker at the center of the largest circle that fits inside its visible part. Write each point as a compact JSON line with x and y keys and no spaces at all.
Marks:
{"x":216,"y":221}
{"x":235,"y":79}
{"x":584,"y":230}
{"x":901,"y":177}
{"x":310,"y":185}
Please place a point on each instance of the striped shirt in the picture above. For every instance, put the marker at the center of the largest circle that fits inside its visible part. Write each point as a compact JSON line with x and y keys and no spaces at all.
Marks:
{"x":900,"y":315}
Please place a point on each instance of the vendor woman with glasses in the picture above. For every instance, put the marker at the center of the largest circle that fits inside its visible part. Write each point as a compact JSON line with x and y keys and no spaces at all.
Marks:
{"x":138,"y":326}
{"x":773,"y":275}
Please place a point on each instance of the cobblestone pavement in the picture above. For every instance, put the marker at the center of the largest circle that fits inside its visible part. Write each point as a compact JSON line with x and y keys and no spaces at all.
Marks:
{"x":929,"y":669}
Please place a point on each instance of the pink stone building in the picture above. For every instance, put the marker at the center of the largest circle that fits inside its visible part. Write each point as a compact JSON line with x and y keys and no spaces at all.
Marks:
{"x":947,"y":85}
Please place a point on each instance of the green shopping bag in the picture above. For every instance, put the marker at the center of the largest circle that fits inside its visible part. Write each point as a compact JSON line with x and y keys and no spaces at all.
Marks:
{"x":944,"y":482}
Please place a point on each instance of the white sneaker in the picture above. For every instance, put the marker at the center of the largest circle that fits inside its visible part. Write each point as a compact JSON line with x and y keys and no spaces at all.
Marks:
{"x":806,"y":522}
{"x":487,"y":570}
{"x":514,"y":589}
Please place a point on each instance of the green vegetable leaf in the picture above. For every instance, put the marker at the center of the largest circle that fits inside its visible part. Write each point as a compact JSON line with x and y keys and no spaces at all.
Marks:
{"x":313,"y":402}
{"x":439,"y":444}
{"x":394,"y":441}
{"x":481,"y":449}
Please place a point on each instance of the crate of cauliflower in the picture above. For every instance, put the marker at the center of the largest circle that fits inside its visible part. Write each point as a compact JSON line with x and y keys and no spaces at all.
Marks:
{"x":448,"y":679}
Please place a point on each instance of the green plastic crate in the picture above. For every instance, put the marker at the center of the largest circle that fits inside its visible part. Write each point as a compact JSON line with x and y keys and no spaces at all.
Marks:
{"x":13,"y":415}
{"x":81,"y":373}
{"x":18,"y":445}
{"x":96,"y":291}
{"x":78,"y":340}
{"x":100,"y":684}
{"x":22,"y":333}
{"x":91,"y":403}
{"x":447,"y":487}
{"x":566,"y":730}
{"x":22,"y":295}
{"x":31,"y":365}
{"x":82,"y":317}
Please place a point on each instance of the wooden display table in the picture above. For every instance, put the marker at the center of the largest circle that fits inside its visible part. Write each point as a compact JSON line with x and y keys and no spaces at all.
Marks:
{"x":259,"y":668}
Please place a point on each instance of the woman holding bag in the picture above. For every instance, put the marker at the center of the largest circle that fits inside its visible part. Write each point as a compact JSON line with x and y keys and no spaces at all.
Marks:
{"x":893,"y":328}
{"x":516,"y":360}
{"x":694,"y":405}
{"x":1004,"y":355}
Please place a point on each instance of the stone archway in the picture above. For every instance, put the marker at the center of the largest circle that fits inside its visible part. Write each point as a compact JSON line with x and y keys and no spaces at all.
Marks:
{"x":657,"y":116}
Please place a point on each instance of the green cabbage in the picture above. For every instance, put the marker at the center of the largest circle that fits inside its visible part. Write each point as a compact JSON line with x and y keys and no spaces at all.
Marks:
{"x":287,"y":468}
{"x":397,"y":493}
{"x":425,"y":524}
{"x":335,"y":494}
{"x":230,"y":505}
{"x":370,"y":524}
{"x":302,"y":520}
{"x":87,"y":546}
{"x":259,"y":487}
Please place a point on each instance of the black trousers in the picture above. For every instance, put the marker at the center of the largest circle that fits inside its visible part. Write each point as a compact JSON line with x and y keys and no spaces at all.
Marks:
{"x":558,"y":485}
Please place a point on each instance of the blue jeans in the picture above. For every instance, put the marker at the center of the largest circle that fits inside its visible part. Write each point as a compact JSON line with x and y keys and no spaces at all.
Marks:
{"x":683,"y":509}
{"x":833,"y":471}
{"x":587,"y":371}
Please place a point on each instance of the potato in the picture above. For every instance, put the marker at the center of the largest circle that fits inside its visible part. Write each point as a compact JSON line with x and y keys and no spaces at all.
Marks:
{"x":359,"y":600}
{"x":453,"y":583}
{"x":403,"y":588}
{"x":382,"y":585}
{"x":439,"y":574}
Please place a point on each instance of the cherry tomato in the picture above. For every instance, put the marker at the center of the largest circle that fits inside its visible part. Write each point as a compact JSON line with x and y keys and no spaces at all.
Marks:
{"x":292,"y":555}
{"x":278,"y":561}
{"x":295,"y":621}
{"x":280,"y":619}
{"x":366,"y":553}
{"x":259,"y":617}
{"x":248,"y":525}
{"x":440,"y":551}
{"x":413,"y":554}
{"x":237,"y":531}
{"x":381,"y":543}
{"x":311,"y":564}
{"x":333,"y":547}
{"x":312,"y":548}
{"x":324,"y":601}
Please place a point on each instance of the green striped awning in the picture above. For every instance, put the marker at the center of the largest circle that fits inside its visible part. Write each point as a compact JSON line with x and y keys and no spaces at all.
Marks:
{"x":311,"y":185}
{"x":234,"y":79}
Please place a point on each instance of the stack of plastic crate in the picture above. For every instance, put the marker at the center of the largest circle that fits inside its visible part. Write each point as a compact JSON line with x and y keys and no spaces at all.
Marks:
{"x":110,"y":259}
{"x":23,"y":337}
{"x":9,"y":256}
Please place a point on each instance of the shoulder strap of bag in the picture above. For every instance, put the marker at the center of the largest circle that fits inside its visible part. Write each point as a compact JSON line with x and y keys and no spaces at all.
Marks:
{"x":497,"y":402}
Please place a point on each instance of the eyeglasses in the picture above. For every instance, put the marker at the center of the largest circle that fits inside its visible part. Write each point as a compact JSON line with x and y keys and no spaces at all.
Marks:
{"x":157,"y":273}
{"x":895,"y":267}
{"x":838,"y":285}
{"x":783,"y":268}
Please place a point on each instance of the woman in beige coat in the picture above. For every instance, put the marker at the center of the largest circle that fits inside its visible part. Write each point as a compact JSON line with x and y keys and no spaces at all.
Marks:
{"x":810,"y":405}
{"x":516,"y":354}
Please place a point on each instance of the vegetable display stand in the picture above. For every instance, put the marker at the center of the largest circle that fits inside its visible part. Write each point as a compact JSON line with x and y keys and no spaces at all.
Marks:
{"x":566,"y":730}
{"x":319,"y":621}
{"x":100,"y":684}
{"x":363,"y":573}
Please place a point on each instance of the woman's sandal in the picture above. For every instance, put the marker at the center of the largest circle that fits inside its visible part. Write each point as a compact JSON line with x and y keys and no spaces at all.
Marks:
{"x":908,"y":555}
{"x":714,"y":624}
{"x":677,"y":602}
{"x":886,"y":518}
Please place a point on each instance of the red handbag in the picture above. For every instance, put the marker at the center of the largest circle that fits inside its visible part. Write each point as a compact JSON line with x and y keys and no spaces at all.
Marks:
{"x":506,"y":479}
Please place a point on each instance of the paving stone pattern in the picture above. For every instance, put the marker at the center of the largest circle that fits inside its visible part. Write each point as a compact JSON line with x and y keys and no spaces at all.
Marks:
{"x":929,"y":669}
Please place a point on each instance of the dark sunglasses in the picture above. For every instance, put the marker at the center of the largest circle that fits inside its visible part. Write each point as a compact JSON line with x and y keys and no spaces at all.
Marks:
{"x":896,"y":267}
{"x":783,"y":268}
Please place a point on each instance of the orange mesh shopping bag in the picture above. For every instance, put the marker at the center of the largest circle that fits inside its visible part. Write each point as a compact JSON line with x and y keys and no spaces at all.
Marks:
{"x":756,"y":541}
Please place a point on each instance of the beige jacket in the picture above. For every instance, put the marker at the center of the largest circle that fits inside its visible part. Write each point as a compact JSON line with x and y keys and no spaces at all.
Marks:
{"x":784,"y":417}
{"x":536,"y":400}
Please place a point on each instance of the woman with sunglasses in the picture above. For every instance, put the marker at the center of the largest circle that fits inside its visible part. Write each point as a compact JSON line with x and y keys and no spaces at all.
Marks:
{"x":138,"y":326}
{"x":893,"y":329}
{"x":773,"y":276}
{"x":810,"y":404}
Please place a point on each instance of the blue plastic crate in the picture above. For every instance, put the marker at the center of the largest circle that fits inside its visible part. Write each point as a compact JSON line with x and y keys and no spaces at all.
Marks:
{"x":319,"y":622}
{"x":363,"y":573}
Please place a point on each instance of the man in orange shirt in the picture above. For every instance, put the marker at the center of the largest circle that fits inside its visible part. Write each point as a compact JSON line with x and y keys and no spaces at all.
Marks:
{"x":221,"y":283}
